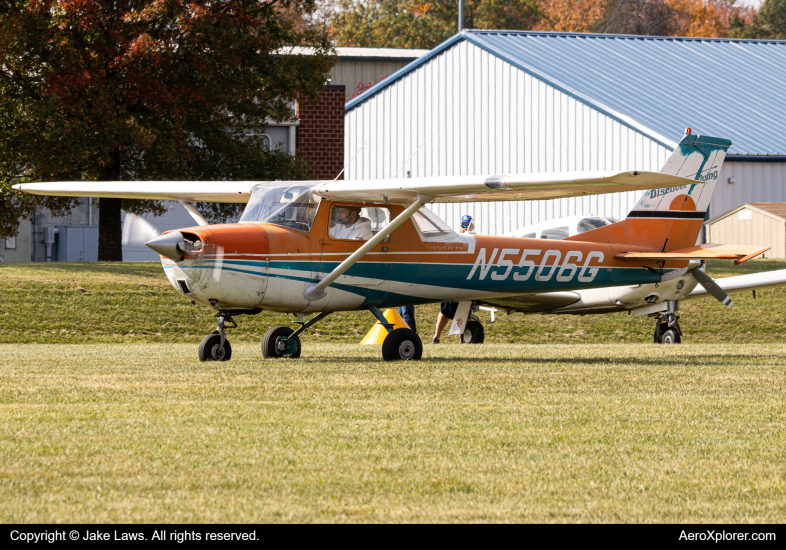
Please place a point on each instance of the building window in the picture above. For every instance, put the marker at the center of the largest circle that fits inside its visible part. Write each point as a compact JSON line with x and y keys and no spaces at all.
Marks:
{"x":279,"y":137}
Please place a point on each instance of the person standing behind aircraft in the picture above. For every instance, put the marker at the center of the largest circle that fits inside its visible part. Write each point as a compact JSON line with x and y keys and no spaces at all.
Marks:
{"x":349,"y":224}
{"x":447,"y":310}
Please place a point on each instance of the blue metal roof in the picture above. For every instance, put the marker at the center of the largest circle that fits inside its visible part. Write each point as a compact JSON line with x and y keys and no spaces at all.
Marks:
{"x":730,"y":88}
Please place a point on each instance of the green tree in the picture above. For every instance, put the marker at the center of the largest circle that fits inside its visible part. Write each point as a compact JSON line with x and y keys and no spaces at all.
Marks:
{"x":415,"y":24}
{"x":768,"y":22}
{"x":148,"y":90}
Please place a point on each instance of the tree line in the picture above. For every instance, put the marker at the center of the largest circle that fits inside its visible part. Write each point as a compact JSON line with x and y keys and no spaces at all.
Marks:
{"x":419,"y":24}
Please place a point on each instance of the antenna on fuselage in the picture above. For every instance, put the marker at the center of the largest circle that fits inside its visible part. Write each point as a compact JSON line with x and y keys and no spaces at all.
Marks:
{"x":409,"y":174}
{"x":350,"y":160}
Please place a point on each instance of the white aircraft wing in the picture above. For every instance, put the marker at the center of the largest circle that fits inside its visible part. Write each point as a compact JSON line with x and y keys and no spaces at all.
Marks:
{"x":508,"y":187}
{"x":191,"y":191}
{"x":741,"y":283}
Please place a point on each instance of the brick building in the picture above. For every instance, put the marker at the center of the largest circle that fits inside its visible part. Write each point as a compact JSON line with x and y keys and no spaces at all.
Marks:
{"x":320,"y":134}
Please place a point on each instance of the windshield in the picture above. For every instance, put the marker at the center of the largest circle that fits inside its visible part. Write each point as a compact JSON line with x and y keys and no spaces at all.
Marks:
{"x":431,"y":227}
{"x":288,"y":204}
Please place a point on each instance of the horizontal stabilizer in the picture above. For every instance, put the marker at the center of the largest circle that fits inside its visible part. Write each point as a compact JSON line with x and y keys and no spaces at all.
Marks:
{"x":708,"y":251}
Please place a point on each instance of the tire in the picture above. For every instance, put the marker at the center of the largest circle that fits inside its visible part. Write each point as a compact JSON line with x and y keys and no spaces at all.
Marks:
{"x":208,"y":349}
{"x":671,"y":336}
{"x":402,"y":344}
{"x":269,"y":349}
{"x":473,"y":333}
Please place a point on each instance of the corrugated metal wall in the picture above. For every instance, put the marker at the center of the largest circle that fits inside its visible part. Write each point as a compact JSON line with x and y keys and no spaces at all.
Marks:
{"x":472,"y":113}
{"x":759,"y":230}
{"x":753,"y":182}
{"x":348,"y":73}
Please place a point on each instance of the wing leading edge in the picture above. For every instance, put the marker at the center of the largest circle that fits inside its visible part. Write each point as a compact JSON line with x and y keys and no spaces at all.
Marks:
{"x":510,"y":187}
{"x":190,"y":191}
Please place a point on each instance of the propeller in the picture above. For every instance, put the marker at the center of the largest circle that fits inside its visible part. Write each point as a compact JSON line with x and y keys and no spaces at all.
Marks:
{"x":137,"y":230}
{"x":710,"y":285}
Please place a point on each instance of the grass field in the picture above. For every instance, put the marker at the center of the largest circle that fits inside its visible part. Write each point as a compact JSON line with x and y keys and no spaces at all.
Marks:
{"x":134,"y":302}
{"x":562,"y":433}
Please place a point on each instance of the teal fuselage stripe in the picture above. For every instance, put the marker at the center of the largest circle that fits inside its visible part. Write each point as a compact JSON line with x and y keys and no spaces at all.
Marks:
{"x":450,"y":276}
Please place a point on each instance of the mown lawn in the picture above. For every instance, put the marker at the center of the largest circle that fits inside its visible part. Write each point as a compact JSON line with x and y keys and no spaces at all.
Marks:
{"x":134,"y":302}
{"x":532,"y":433}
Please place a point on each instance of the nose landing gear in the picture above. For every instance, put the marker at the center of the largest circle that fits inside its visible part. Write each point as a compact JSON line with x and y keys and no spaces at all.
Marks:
{"x":667,"y":330}
{"x":215,"y":346}
{"x":473,"y":330}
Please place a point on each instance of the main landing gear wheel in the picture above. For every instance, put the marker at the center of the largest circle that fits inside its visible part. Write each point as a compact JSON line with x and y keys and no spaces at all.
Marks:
{"x":473,"y":333}
{"x":664,"y":334}
{"x":402,"y":344}
{"x":278,"y":343}
{"x":210,"y":348}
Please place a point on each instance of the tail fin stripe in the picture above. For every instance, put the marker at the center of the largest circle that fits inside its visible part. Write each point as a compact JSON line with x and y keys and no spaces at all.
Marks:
{"x":670,"y":214}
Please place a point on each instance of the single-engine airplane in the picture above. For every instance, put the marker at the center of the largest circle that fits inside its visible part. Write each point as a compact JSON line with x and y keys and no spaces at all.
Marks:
{"x":289,"y":253}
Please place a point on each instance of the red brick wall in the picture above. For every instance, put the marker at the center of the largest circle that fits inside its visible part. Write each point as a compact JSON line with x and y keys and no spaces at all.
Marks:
{"x":320,"y":136}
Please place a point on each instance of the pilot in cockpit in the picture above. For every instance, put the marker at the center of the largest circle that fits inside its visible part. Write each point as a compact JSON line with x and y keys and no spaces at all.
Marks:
{"x":347,"y":224}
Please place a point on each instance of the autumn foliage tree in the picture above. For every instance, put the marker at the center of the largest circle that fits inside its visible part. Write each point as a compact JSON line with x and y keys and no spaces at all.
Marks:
{"x":148,"y":90}
{"x":643,"y":17}
{"x":418,"y":24}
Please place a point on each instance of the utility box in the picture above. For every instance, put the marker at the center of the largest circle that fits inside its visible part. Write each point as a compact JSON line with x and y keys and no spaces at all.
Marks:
{"x":77,"y":243}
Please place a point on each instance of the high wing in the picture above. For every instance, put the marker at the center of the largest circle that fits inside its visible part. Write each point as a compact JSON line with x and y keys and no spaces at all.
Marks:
{"x":508,"y":187}
{"x":189,"y":191}
{"x":741,"y":283}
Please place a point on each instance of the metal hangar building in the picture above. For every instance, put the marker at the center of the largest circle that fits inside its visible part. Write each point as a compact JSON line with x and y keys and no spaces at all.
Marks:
{"x":487,"y":102}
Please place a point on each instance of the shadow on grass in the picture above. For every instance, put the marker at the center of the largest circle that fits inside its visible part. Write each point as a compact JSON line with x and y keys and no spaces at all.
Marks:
{"x":710,"y":360}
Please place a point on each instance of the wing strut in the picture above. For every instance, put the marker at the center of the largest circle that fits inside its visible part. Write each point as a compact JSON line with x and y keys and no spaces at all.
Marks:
{"x":193,"y":212}
{"x":316,"y":291}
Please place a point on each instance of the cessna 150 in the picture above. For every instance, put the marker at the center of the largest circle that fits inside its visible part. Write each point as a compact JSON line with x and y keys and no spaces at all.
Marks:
{"x":295,"y":249}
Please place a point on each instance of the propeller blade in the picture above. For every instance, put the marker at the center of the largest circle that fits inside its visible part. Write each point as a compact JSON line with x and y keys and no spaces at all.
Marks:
{"x":137,"y":231}
{"x":712,"y":287}
{"x":218,"y":263}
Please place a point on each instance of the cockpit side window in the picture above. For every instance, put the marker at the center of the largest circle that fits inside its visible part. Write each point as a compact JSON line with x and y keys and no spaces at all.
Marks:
{"x":555,"y":233}
{"x":588,"y":224}
{"x":430,"y":227}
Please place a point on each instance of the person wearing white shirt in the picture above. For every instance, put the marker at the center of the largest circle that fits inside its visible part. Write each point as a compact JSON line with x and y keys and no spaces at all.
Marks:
{"x":350,"y":225}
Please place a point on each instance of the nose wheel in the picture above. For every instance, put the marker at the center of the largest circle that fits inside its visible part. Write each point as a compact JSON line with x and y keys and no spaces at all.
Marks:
{"x":215,"y":346}
{"x":473,"y":333}
{"x":667,"y":330}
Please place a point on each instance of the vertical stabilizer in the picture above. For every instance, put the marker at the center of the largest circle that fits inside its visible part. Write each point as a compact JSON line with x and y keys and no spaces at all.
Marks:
{"x":696,"y":157}
{"x":671,"y":218}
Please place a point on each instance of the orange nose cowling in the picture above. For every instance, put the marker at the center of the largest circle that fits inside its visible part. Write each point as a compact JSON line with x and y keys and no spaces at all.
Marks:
{"x":233,"y":241}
